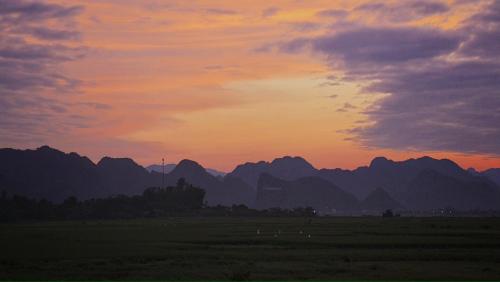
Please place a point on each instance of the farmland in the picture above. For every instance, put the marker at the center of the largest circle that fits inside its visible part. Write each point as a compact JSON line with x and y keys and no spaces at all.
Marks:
{"x":232,"y":248}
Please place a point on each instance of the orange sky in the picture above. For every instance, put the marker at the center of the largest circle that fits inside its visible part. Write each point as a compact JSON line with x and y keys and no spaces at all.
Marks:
{"x":184,"y":79}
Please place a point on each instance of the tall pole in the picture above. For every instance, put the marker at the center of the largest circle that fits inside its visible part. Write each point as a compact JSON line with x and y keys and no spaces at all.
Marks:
{"x":162,"y":172}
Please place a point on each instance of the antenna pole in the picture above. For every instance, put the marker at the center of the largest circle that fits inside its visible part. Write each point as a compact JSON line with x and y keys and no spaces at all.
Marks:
{"x":162,"y":172}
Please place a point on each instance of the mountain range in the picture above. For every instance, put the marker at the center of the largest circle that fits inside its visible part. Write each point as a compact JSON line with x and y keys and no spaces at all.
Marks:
{"x":415,"y":184}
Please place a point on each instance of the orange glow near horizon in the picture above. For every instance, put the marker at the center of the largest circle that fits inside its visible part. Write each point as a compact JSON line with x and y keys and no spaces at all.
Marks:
{"x":186,"y":80}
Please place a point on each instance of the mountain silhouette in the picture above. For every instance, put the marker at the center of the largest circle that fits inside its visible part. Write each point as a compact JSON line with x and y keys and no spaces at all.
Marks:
{"x":379,"y":200}
{"x":288,"y":168}
{"x":308,"y":191}
{"x":493,"y":174}
{"x":397,"y":178}
{"x":419,"y":184}
{"x":433,"y":190}
{"x":47,"y":173}
{"x":225,"y":191}
{"x":123,"y":176}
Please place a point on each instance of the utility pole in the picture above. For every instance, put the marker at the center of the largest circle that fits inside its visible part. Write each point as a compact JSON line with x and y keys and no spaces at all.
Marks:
{"x":162,"y":173}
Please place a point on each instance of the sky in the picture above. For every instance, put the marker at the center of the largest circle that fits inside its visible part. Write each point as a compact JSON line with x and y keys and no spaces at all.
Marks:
{"x":227,"y":82}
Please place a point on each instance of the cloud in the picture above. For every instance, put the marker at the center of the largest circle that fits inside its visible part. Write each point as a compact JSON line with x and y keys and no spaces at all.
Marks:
{"x":305,"y":26}
{"x":484,"y":30}
{"x":333,"y":13}
{"x":20,"y":11}
{"x":386,"y":46}
{"x":35,"y":40}
{"x":443,"y":86}
{"x":53,"y":34}
{"x":218,"y":11}
{"x":269,"y":12}
{"x":346,"y":107}
{"x":450,"y":107}
{"x":403,"y":11}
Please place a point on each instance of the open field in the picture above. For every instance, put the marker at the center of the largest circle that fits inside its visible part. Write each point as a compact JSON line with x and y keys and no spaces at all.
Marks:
{"x":230,"y":248}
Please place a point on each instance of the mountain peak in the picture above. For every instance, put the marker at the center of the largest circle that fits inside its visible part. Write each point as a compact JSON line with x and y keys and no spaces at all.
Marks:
{"x":189,"y":165}
{"x":380,"y":162}
{"x":46,"y":148}
{"x":108,"y":162}
{"x":379,"y":200}
{"x":292,"y":161}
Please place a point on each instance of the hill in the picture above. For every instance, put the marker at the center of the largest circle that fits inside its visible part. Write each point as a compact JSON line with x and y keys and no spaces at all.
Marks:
{"x":47,"y":173}
{"x":313,"y":192}
{"x":419,"y":184}
{"x":288,"y":168}
{"x":379,"y":200}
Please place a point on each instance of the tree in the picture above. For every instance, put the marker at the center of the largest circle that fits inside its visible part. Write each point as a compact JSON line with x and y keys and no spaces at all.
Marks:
{"x":181,"y":183}
{"x":388,"y":213}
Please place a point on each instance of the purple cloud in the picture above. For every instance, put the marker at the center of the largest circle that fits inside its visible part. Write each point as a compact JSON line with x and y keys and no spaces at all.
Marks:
{"x":404,"y":10}
{"x":443,"y":86}
{"x":30,"y":80}
{"x":386,"y":45}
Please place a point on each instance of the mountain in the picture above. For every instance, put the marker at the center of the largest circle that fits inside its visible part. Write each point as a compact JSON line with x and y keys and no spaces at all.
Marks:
{"x":473,"y":171}
{"x":47,"y":173}
{"x":123,"y":176}
{"x":381,"y":172}
{"x":310,"y":191}
{"x":493,"y":174}
{"x":226,"y":191}
{"x":399,"y":178}
{"x":54,"y":175}
{"x":393,"y":176}
{"x":379,"y":200}
{"x":418,"y":184}
{"x":433,"y":190}
{"x":169,"y":167}
{"x":288,"y":168}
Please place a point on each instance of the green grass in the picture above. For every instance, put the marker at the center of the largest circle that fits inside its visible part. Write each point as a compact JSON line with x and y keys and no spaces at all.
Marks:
{"x":230,"y":249}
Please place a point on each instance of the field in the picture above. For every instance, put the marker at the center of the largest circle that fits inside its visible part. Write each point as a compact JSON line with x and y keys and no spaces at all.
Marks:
{"x":231,"y":249}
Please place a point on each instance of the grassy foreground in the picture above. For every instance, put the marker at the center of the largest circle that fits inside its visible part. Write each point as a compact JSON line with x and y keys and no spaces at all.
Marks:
{"x":231,"y":249}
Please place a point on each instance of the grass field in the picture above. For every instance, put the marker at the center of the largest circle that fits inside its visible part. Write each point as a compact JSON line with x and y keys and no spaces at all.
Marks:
{"x":231,"y":249}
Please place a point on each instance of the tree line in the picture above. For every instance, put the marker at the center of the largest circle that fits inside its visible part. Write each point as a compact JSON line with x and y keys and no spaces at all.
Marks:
{"x":183,"y":199}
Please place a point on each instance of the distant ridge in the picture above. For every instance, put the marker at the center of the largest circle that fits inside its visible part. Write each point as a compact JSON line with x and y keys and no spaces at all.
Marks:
{"x":308,"y":191}
{"x":169,"y":167}
{"x":47,"y":173}
{"x":398,"y":178}
{"x":379,"y":200}
{"x":417,"y":184}
{"x":493,"y":174}
{"x":287,"y":168}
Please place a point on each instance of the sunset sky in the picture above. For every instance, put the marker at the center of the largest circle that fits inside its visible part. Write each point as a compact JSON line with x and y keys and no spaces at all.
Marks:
{"x":226,"y":82}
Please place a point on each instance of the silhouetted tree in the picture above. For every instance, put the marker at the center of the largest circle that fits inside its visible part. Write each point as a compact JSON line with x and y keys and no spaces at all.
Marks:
{"x":388,"y":213}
